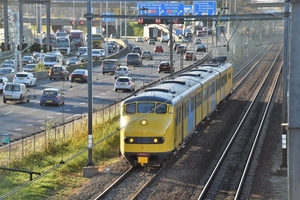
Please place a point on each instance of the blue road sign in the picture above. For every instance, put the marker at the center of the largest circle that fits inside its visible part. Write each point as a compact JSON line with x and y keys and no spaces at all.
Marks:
{"x":205,"y":7}
{"x":163,"y":9}
{"x":108,"y":19}
{"x":188,"y":9}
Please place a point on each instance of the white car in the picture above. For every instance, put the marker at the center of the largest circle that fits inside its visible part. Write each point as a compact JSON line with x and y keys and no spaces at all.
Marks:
{"x":164,"y":38}
{"x":96,"y":53}
{"x":3,"y":81}
{"x":29,"y":68}
{"x":139,"y":39}
{"x":122,"y":71}
{"x":124,"y":83}
{"x":26,"y":78}
{"x":102,"y":52}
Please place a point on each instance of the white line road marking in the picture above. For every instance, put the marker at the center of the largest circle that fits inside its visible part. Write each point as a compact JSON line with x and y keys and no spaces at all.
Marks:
{"x":8,"y":113}
{"x":72,"y":116}
{"x":29,"y":125}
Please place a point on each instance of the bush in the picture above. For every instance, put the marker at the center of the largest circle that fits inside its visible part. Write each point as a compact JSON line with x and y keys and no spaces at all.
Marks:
{"x":40,"y":67}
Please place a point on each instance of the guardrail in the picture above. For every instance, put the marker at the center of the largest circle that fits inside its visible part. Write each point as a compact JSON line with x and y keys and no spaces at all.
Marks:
{"x":6,"y":54}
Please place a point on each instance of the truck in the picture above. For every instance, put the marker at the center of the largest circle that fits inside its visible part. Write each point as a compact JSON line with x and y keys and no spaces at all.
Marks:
{"x":97,"y":41}
{"x":63,"y":45}
{"x":53,"y":39}
{"x":76,"y":39}
{"x":150,"y":33}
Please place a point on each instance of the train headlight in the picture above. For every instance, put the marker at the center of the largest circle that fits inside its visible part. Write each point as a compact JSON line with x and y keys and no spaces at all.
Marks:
{"x":131,"y":140}
{"x":155,"y":140}
{"x":143,"y":122}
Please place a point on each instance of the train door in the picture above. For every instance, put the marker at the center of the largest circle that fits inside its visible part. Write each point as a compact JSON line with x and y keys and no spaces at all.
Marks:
{"x":185,"y":119}
{"x":191,"y":114}
{"x":205,"y":102}
{"x":178,"y":126}
{"x":199,"y":112}
{"x":212,"y":97}
{"x":223,"y":86}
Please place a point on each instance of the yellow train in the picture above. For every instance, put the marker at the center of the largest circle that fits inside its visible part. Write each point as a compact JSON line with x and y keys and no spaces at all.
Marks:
{"x":158,"y":120}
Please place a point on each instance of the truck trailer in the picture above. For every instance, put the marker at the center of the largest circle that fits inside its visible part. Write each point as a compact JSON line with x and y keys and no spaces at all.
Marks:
{"x":150,"y":33}
{"x":76,"y":39}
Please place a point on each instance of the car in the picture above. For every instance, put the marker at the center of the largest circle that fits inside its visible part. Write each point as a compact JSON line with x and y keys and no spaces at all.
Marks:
{"x":164,"y":66}
{"x":116,"y":36}
{"x":147,"y":54}
{"x":110,"y":65}
{"x":84,"y":57}
{"x":52,"y":96}
{"x":15,"y":92}
{"x":134,"y":59}
{"x":6,"y":70}
{"x":3,"y":81}
{"x":96,"y":53}
{"x":197,"y":41}
{"x":164,"y":38}
{"x":188,"y":35}
{"x":201,"y":47}
{"x":73,"y":61}
{"x":181,"y":49}
{"x":8,"y":63}
{"x":175,"y":46}
{"x":151,"y":41}
{"x":110,"y":49}
{"x":58,"y":72}
{"x":79,"y":75}
{"x":29,"y":68}
{"x":114,"y":44}
{"x":139,"y":39}
{"x":81,"y":51}
{"x":26,"y":78}
{"x":158,"y":48}
{"x":28,"y":60}
{"x":189,"y":55}
{"x":137,"y":49}
{"x":122,"y":71}
{"x":200,"y":33}
{"x":124,"y":83}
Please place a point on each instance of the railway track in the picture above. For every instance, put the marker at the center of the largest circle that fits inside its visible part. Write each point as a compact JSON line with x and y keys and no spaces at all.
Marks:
{"x":228,"y":177}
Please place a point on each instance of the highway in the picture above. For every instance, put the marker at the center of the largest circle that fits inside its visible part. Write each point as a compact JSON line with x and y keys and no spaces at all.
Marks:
{"x":21,"y":119}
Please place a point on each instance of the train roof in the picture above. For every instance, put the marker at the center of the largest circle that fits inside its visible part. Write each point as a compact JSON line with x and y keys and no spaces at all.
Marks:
{"x":173,"y":90}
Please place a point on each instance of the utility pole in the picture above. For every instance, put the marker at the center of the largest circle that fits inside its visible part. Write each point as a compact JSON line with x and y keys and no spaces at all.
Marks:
{"x":171,"y":49}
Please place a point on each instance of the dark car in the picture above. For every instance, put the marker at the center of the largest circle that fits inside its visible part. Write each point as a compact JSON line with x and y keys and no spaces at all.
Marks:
{"x":158,"y":48}
{"x":164,"y":66}
{"x":175,"y":46}
{"x":52,"y":96}
{"x":58,"y":72}
{"x":134,"y":59}
{"x":79,"y":75}
{"x":137,"y":50}
{"x":201,"y":47}
{"x":110,"y":49}
{"x":110,"y":65}
{"x":181,"y":49}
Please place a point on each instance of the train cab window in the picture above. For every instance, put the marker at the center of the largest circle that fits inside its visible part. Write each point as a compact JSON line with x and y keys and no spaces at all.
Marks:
{"x":161,"y":108}
{"x":145,"y":107}
{"x":130,"y":108}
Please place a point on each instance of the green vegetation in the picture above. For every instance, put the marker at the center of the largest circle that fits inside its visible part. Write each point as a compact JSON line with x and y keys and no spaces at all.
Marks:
{"x":40,"y":67}
{"x":60,"y":174}
{"x":134,"y":29}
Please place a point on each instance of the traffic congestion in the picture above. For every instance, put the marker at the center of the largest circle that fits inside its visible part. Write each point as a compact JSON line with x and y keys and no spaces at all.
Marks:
{"x":113,"y":80}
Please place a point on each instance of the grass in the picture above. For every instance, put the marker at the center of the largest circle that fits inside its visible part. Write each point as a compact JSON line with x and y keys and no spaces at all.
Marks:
{"x":58,"y":180}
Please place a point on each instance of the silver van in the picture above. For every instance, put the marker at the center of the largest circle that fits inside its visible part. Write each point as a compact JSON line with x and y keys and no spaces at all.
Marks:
{"x":15,"y":92}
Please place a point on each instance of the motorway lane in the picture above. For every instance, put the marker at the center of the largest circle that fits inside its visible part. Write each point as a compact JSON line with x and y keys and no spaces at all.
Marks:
{"x":21,"y":119}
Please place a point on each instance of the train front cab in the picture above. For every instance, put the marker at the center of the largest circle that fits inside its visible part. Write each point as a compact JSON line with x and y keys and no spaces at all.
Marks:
{"x":142,"y":141}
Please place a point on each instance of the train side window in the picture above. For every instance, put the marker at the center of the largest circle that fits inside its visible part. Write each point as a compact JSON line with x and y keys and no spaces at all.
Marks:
{"x":161,"y":108}
{"x":130,"y":108}
{"x":145,"y":107}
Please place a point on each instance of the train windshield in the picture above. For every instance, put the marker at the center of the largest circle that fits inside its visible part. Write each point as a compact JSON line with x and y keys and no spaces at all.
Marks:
{"x":159,"y":108}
